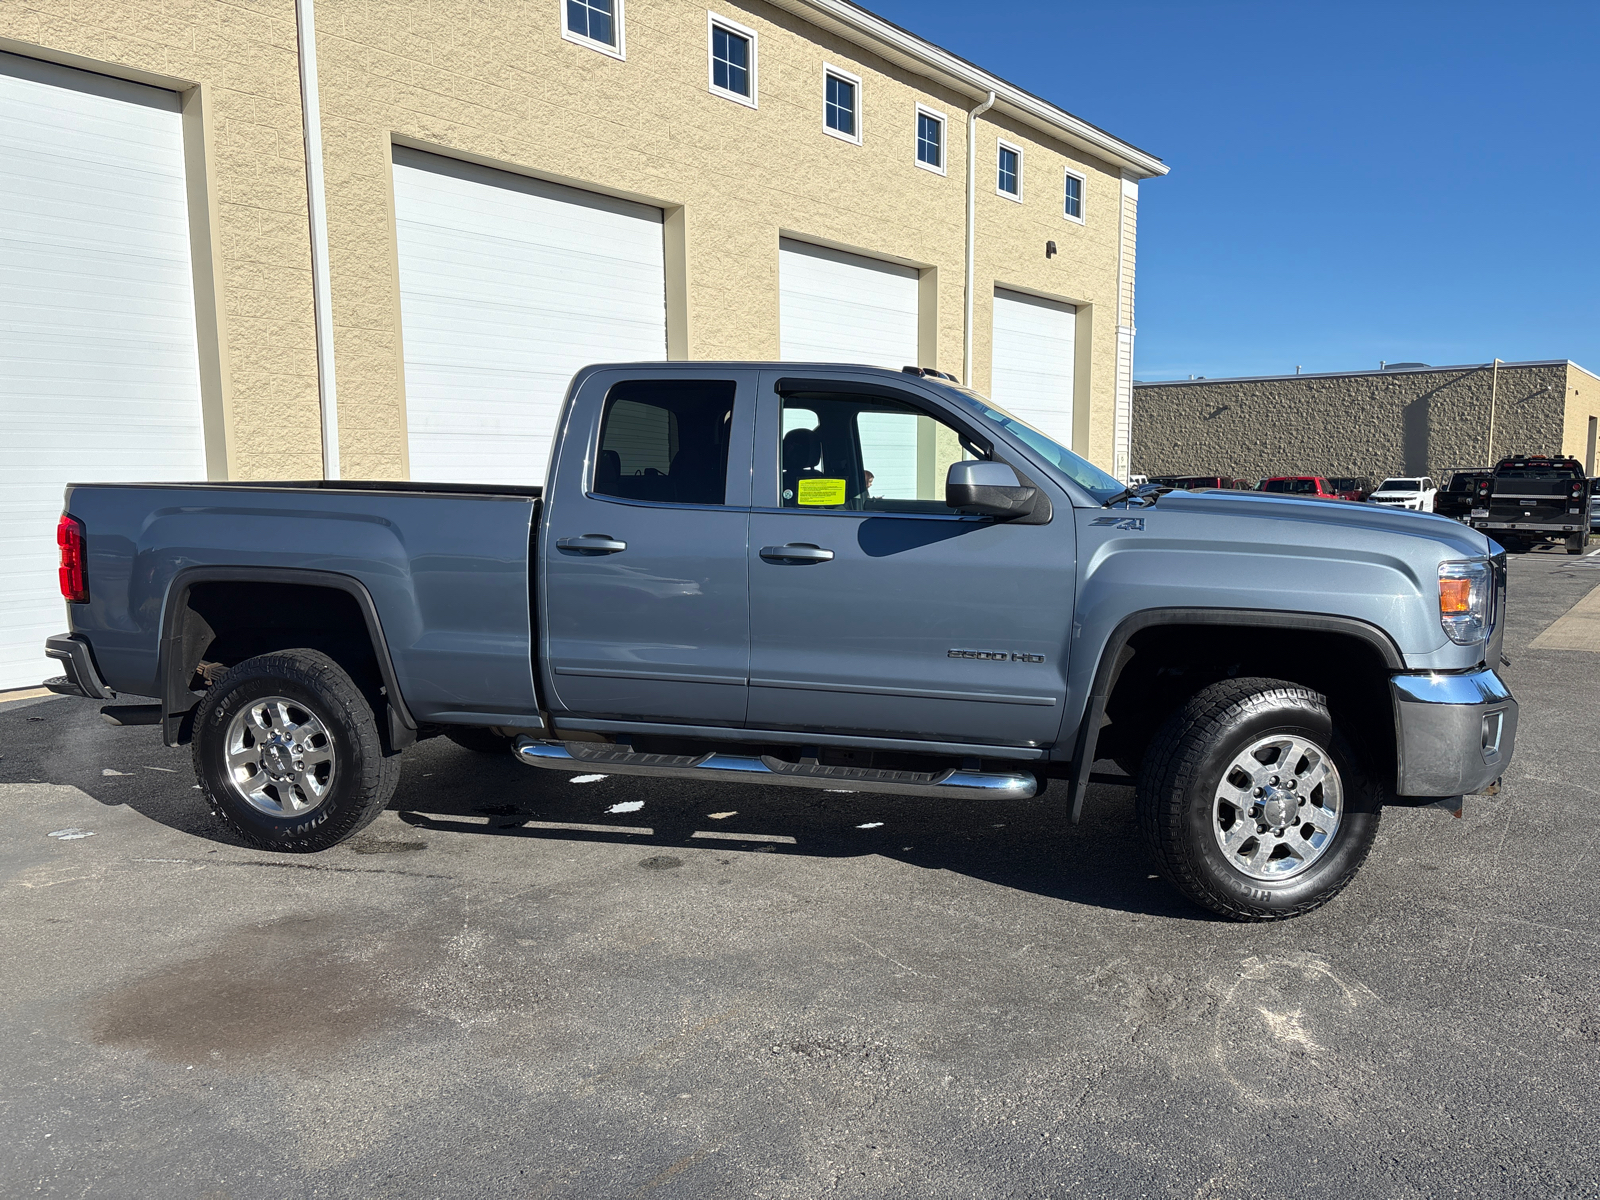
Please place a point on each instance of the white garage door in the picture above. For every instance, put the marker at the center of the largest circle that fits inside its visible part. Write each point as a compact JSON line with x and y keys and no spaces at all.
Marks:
{"x":837,"y":307}
{"x":99,"y":375}
{"x":507,"y":286}
{"x":1033,"y":361}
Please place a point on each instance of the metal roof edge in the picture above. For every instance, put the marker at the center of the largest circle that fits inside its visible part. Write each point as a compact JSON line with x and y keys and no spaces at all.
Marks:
{"x":900,"y":45}
{"x":1386,"y":372}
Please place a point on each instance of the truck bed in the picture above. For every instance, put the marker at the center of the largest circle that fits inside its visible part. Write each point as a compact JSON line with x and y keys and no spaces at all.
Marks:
{"x":445,"y":569}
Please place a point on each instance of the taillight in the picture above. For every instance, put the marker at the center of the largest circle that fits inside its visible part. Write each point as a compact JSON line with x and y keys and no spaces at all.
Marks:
{"x":74,"y":577}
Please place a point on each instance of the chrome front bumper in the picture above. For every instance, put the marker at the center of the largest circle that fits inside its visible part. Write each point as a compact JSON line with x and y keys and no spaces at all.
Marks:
{"x":1454,"y":734}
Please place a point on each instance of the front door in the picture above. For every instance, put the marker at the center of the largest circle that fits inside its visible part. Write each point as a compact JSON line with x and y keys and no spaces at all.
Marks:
{"x":876,"y":609}
{"x":645,"y":594}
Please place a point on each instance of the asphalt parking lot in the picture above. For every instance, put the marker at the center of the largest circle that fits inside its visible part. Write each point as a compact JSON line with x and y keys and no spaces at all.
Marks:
{"x":516,"y":985}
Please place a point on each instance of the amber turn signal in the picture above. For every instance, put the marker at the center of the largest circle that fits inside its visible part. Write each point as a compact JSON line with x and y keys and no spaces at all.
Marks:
{"x":1455,"y":596}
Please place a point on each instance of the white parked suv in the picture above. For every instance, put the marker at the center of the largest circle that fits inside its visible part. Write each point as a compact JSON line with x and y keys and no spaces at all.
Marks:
{"x":1415,"y":494}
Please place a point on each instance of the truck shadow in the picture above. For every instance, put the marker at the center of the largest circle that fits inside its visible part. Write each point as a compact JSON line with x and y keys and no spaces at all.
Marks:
{"x":1027,"y":845}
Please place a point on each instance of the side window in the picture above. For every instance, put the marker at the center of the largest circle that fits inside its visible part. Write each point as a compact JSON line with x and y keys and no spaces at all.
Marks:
{"x":666,"y":441}
{"x":866,"y":454}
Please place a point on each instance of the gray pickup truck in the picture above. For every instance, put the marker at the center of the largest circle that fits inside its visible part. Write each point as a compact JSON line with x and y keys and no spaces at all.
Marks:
{"x":813,"y":576}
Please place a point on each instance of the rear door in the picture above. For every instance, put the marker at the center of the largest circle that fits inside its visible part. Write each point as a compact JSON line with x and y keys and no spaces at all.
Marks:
{"x":876,"y":609}
{"x":645,"y":597}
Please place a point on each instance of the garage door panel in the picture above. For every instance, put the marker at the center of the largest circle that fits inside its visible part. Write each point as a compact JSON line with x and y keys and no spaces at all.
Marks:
{"x":508,"y":287}
{"x":1033,"y":361}
{"x":99,"y":371}
{"x":839,"y":307}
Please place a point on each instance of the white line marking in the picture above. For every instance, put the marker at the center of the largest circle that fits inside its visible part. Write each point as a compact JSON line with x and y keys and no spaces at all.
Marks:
{"x":588,"y":778}
{"x":626,"y":806}
{"x":719,"y":836}
{"x":871,"y":825}
{"x":579,"y":828}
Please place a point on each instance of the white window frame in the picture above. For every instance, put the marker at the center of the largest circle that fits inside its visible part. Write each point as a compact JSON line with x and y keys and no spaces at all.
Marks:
{"x":1083,"y":196}
{"x":1002,"y":144}
{"x":827,"y":70}
{"x":712,"y":22}
{"x":944,"y":139}
{"x":619,"y":51}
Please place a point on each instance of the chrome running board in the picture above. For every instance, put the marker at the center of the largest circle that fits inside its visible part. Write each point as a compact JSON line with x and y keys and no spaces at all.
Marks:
{"x":605,"y":758}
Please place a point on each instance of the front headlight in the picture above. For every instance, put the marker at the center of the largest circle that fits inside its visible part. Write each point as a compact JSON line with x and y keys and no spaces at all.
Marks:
{"x":1464,"y":590}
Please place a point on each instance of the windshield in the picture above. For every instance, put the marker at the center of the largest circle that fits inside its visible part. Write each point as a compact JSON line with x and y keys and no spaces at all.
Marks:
{"x":1400,"y":485}
{"x":1083,"y":473}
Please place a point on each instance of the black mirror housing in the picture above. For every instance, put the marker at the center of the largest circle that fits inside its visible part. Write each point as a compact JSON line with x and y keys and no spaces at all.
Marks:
{"x":989,"y":489}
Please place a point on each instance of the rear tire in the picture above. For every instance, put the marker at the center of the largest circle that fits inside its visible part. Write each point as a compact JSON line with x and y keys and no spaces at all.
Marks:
{"x":287,"y":752}
{"x":1577,"y":543}
{"x":1253,"y":803}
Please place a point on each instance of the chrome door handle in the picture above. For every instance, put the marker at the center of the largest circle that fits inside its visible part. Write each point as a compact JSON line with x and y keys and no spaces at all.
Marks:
{"x":592,"y":543}
{"x":799,"y":552}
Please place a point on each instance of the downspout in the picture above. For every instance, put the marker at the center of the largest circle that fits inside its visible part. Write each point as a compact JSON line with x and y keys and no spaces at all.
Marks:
{"x":317,"y":211}
{"x":972,"y":234}
{"x":1494,"y":389}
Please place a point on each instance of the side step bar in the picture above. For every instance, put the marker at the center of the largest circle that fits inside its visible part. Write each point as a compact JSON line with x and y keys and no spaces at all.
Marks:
{"x":734,"y":768}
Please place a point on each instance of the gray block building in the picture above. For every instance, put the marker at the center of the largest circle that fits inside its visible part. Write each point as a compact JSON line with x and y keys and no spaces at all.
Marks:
{"x":1406,"y":419}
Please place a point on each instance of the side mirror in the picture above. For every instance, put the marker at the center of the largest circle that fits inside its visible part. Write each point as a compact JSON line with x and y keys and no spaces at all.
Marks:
{"x":990,"y":489}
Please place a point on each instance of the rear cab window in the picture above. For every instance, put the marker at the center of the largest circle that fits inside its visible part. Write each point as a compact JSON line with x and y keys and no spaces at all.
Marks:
{"x":665,"y":441}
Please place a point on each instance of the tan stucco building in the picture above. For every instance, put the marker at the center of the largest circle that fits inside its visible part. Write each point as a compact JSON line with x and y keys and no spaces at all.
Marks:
{"x":1407,"y":419}
{"x":257,"y":239}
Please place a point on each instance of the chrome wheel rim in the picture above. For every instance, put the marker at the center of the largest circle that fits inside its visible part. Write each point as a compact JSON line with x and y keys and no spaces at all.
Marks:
{"x":1277,"y":807}
{"x":280,"y":757}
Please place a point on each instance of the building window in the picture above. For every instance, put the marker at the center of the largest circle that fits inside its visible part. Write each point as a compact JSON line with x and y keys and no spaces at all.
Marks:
{"x":1074,"y":203}
{"x":1008,"y":177}
{"x":930,"y":139}
{"x":594,"y":23}
{"x":732,"y":48}
{"x":841,"y":104}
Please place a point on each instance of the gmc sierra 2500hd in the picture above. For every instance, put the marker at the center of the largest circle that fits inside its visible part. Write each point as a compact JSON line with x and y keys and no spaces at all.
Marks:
{"x":816,"y":576}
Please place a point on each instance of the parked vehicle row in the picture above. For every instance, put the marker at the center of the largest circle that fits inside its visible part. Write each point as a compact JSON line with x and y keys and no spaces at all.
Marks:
{"x":1523,"y":500}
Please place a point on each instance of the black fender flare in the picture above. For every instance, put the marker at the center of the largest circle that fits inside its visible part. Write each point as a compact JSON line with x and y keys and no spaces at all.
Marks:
{"x":1114,"y":656}
{"x":177,"y":701}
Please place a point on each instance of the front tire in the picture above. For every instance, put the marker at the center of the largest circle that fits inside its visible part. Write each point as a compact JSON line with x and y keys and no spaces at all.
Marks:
{"x":287,"y":752}
{"x":1253,"y":803}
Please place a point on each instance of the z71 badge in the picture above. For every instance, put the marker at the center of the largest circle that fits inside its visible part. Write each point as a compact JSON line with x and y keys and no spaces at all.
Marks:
{"x":1131,"y":524}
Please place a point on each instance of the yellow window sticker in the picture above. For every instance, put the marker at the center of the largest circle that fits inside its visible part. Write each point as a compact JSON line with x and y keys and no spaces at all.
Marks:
{"x":821,"y":492}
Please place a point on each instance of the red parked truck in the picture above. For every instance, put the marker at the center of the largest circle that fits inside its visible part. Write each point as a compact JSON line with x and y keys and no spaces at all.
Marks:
{"x":1309,"y":487}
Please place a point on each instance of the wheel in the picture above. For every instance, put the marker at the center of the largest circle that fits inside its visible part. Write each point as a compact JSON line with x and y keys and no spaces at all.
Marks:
{"x":1577,"y":543}
{"x":287,"y":752}
{"x":1253,"y":803}
{"x":484,"y":741}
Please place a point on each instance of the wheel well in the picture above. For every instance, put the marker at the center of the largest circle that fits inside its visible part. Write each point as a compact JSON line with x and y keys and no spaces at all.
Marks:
{"x":224,"y":622}
{"x":1164,"y":665}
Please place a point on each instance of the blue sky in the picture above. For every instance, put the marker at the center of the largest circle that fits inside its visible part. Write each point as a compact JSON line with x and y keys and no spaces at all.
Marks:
{"x":1350,"y":182}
